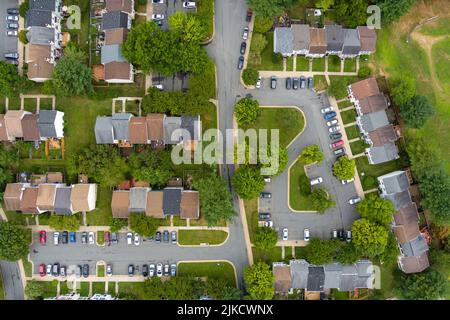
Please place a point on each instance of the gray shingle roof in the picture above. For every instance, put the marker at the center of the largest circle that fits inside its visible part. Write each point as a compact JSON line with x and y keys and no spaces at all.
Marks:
{"x":112,"y":53}
{"x":415,"y":247}
{"x":301,"y":36}
{"x":62,"y":201}
{"x":114,"y":19}
{"x":171,"y":124}
{"x":316,"y":278}
{"x":190,"y":123}
{"x":283,"y":40}
{"x":373,"y":121}
{"x":384,"y":153}
{"x":299,"y":273}
{"x":120,"y":125}
{"x":46,"y":123}
{"x":38,"y":18}
{"x":400,"y":199}
{"x":332,"y":275}
{"x":104,"y":133}
{"x":335,"y":37}
{"x":352,"y":44}
{"x":394,"y":183}
{"x":46,"y":5}
{"x":172,"y":201}
{"x":41,"y":35}
{"x":138,"y":199}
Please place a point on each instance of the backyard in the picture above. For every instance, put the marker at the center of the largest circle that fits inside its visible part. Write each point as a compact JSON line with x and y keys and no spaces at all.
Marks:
{"x":368,"y":173}
{"x":210,"y":270}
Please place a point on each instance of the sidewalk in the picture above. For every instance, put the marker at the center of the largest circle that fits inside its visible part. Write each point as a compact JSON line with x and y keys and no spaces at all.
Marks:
{"x":283,"y":74}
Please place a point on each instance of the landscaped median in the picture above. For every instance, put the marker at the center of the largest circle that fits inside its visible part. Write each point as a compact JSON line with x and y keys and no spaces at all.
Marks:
{"x":299,"y":188}
{"x":199,"y":237}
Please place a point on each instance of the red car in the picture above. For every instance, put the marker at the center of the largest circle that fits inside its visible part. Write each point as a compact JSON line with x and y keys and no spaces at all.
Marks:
{"x":107,"y":238}
{"x":42,"y":270}
{"x":339,"y":143}
{"x":43,"y":237}
{"x":249,"y":15}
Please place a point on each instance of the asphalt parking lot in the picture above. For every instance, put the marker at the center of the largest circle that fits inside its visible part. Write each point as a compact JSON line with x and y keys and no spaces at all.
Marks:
{"x":168,"y":8}
{"x":177,"y":82}
{"x":8,"y":44}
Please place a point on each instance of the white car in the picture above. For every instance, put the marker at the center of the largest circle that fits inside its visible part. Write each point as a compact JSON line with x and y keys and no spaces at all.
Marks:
{"x":354,"y":200}
{"x":347,"y":181}
{"x":129,"y":238}
{"x":12,"y":18}
{"x":109,"y":272}
{"x":159,"y":269}
{"x":157,"y":16}
{"x":285,"y":234}
{"x":56,"y":238}
{"x":267,"y":179}
{"x":258,"y":83}
{"x":327,"y":109}
{"x":91,"y":237}
{"x":137,"y":240}
{"x":49,"y":270}
{"x":151,"y":271}
{"x":245,"y":34}
{"x":306,"y":234}
{"x":189,"y":4}
{"x":159,"y":86}
{"x":268,"y":224}
{"x":334,"y":129}
{"x":332,"y":122}
{"x":316,"y":181}
{"x":11,"y":33}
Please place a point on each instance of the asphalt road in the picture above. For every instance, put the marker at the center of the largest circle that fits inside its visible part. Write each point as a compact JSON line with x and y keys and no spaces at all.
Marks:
{"x":8,"y":44}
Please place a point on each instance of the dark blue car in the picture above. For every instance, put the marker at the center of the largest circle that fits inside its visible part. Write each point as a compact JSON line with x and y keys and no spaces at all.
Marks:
{"x":329,"y":115}
{"x":73,"y":237}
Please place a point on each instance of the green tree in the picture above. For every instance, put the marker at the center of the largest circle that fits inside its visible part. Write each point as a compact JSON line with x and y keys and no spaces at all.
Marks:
{"x":259,"y":43}
{"x":10,"y":81}
{"x":369,"y":238}
{"x":427,"y":285}
{"x":351,"y":13}
{"x":23,"y":8}
{"x":320,"y":251}
{"x":364,"y":72}
{"x":403,"y":89}
{"x":34,"y":290}
{"x":143,"y":225}
{"x":9,"y":160}
{"x":321,"y":200}
{"x":376,"y":209}
{"x":152,"y":166}
{"x":390,"y":253}
{"x":347,"y":254}
{"x":324,"y":4}
{"x":23,"y":36}
{"x":259,"y":281}
{"x":70,"y":223}
{"x":117,"y":224}
{"x":188,"y":26}
{"x":262,"y":25}
{"x":311,"y":154}
{"x":435,"y":188}
{"x":422,"y":155}
{"x":250,"y":76}
{"x":344,"y":168}
{"x":215,"y":199}
{"x":14,"y":241}
{"x":218,"y":289}
{"x":393,"y":10}
{"x":266,"y":8}
{"x":248,"y":182}
{"x":71,"y":77}
{"x":246,"y":111}
{"x":417,"y":111}
{"x":265,"y":238}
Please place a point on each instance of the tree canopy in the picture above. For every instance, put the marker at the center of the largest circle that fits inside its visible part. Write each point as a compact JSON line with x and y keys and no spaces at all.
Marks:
{"x":311,"y":154}
{"x":267,"y":8}
{"x":321,"y":200}
{"x":369,"y":238}
{"x":248,"y":182}
{"x":10,"y":81}
{"x":250,"y":76}
{"x":351,"y":13}
{"x":188,"y":26}
{"x":427,"y":285}
{"x":259,"y":281}
{"x":70,"y":223}
{"x":143,"y":225}
{"x":14,"y":241}
{"x":376,"y":209}
{"x":393,"y":10}
{"x":116,"y":224}
{"x":246,"y":111}
{"x":344,"y":168}
{"x":320,"y":251}
{"x":9,"y":160}
{"x":348,"y":254}
{"x":403,"y":89}
{"x":265,"y":238}
{"x":417,"y":111}
{"x":34,"y":290}
{"x":262,"y":25}
{"x":435,"y":188}
{"x":152,"y":166}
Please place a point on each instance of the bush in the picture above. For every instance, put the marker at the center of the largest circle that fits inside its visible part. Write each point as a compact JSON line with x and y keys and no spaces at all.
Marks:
{"x":117,"y":224}
{"x":305,"y":186}
{"x":364,"y":72}
{"x":23,"y":36}
{"x":143,"y":225}
{"x":262,"y":25}
{"x":250,"y":76}
{"x":24,"y":8}
{"x":277,"y":58}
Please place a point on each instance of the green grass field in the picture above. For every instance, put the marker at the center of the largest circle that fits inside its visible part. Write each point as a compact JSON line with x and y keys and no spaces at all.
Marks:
{"x":320,"y":83}
{"x":209,"y":270}
{"x":302,"y":63}
{"x":318,"y":64}
{"x":348,"y":116}
{"x":98,"y":287}
{"x":368,"y":173}
{"x":441,"y":27}
{"x":100,"y":269}
{"x":358,"y":147}
{"x":197,"y":237}
{"x":352,"y":132}
{"x":2,"y":290}
{"x":266,"y":62}
{"x":298,"y":200}
{"x":441,"y":58}
{"x":350,"y":65}
{"x":269,"y":256}
{"x":290,"y":64}
{"x":334,"y":64}
{"x":251,"y":212}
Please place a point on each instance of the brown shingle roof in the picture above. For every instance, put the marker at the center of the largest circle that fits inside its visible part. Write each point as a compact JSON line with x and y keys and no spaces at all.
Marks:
{"x":46,"y":197}
{"x":79,"y":197}
{"x":28,"y":203}
{"x":373,"y":103}
{"x":115,"y":36}
{"x":318,"y":40}
{"x":155,"y":126}
{"x":54,"y":177}
{"x":189,"y":205}
{"x":119,"y":204}
{"x":38,"y":66}
{"x":119,"y":5}
{"x":407,"y":232}
{"x":368,"y":38}
{"x":12,"y":196}
{"x":155,"y":205}
{"x":138,"y":130}
{"x":30,"y":127}
{"x":98,"y":72}
{"x":3,"y":132}
{"x":415,"y":264}
{"x":365,"y":88}
{"x":283,"y":280}
{"x":383,"y":135}
{"x":407,"y":214}
{"x":117,"y":70}
{"x":13,"y":120}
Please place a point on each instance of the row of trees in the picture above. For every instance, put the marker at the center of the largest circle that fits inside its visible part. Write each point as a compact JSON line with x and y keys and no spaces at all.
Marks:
{"x":9,"y":160}
{"x":14,"y":241}
{"x":11,"y":82}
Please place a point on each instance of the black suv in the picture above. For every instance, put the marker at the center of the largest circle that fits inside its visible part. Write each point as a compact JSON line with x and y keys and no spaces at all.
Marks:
{"x":288,"y":83}
{"x":273,"y":82}
{"x":264,"y":216}
{"x":336,"y":136}
{"x":158,"y":237}
{"x":65,"y":237}
{"x":166,"y":236}
{"x":85,"y":270}
{"x":295,"y":84}
{"x":243,"y":47}
{"x":145,"y":270}
{"x":131,"y":270}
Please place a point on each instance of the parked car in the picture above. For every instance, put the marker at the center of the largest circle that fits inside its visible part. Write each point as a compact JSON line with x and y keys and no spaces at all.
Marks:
{"x":329,"y":115}
{"x":249,"y":15}
{"x":295,"y":83}
{"x":310,"y":83}
{"x":336,"y":136}
{"x":73,"y":237}
{"x":84,"y":237}
{"x":332,"y":122}
{"x":56,"y":238}
{"x":258,"y":83}
{"x":65,"y":237}
{"x":174,"y":237}
{"x":173,"y":269}
{"x":42,"y":270}
{"x":243,"y":47}
{"x":315,"y":181}
{"x":285,"y":234}
{"x":157,"y":16}
{"x":114,"y":238}
{"x":91,"y":237}
{"x":159,"y":269}
{"x":131,"y":270}
{"x":354,"y":200}
{"x":326,"y":110}
{"x":189,"y":5}
{"x":268,"y":223}
{"x":302,"y":82}
{"x":129,"y":238}
{"x":341,"y":235}
{"x":63,"y":271}
{"x":12,"y":25}
{"x":12,"y":11}
{"x":347,"y":181}
{"x":288,"y":83}
{"x":334,"y":129}
{"x":265,"y":195}
{"x":78,"y":271}
{"x":306,"y":234}
{"x":12,"y":55}
{"x":339,"y":152}
{"x":334,"y":234}
{"x":109,"y":271}
{"x":241,"y":63}
{"x":166,"y":236}
{"x":348,"y":236}
{"x":245,"y":34}
{"x":166,"y":269}
{"x":151,"y":270}
{"x":158,"y":1}
{"x":336,"y":144}
{"x":11,"y":33}
{"x":12,"y":18}
{"x":49,"y":270}
{"x":43,"y":237}
{"x":273,"y":82}
{"x":107,"y":238}
{"x":55,"y":270}
{"x":85,"y":270}
{"x":137,"y":240}
{"x":158,"y":237}
{"x":145,"y":270}
{"x":264,"y":216}
{"x":267,"y":179}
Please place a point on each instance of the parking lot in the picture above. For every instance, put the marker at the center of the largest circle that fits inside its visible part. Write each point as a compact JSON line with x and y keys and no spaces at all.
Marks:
{"x":8,"y":44}
{"x":178,"y":82}
{"x":168,"y":8}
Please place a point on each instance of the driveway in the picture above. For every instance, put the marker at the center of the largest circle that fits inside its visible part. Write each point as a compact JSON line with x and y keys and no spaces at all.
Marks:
{"x":8,"y":44}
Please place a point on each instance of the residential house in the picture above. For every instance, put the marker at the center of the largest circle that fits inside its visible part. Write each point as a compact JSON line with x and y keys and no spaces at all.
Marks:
{"x":63,"y":203}
{"x":119,"y":204}
{"x":28,"y":201}
{"x":13,"y":123}
{"x":335,"y":39}
{"x":30,"y":127}
{"x":41,"y":62}
{"x":384,"y":153}
{"x":362,"y":89}
{"x":368,"y":39}
{"x":51,"y":124}
{"x":190,"y":207}
{"x":155,"y":128}
{"x":352,"y":45}
{"x":3,"y":131}
{"x":83,"y":197}
{"x":138,"y":199}
{"x":116,"y":19}
{"x":46,"y":197}
{"x":13,"y":195}
{"x":104,"y":132}
{"x":172,"y":201}
{"x":172,"y":134}
{"x":301,"y":38}
{"x":377,"y":102}
{"x":138,"y":133}
{"x":126,"y":6}
{"x":318,"y":43}
{"x":372,"y":121}
{"x":155,"y":204}
{"x":382,"y":135}
{"x":283,"y":41}
{"x":283,"y":279}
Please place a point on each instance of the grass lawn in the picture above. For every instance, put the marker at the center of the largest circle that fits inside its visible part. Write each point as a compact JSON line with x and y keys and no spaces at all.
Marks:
{"x":196,"y":237}
{"x":338,"y":295}
{"x":441,"y":58}
{"x":15,"y":217}
{"x":63,"y":289}
{"x":320,"y":83}
{"x":269,"y":256}
{"x":334,"y":64}
{"x":318,"y":64}
{"x":2,"y":290}
{"x":177,"y":221}
{"x":290,"y":64}
{"x":98,"y":287}
{"x":202,"y":222}
{"x":251,"y":212}
{"x":441,"y":27}
{"x":344,"y":104}
{"x":346,"y":80}
{"x":348,"y":116}
{"x":84,"y":289}
{"x":368,"y":173}
{"x":27,"y":266}
{"x":266,"y":62}
{"x":102,"y":215}
{"x":297,"y":199}
{"x":290,"y":122}
{"x":49,"y":288}
{"x":350,"y":65}
{"x":209,"y":270}
{"x":112,"y":288}
{"x":133,"y":289}
{"x":101,"y":237}
{"x":101,"y":270}
{"x":358,"y":147}
{"x":302,"y":63}
{"x":352,"y":132}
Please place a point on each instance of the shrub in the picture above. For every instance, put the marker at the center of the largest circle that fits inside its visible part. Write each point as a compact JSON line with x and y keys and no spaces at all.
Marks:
{"x":364,"y":72}
{"x":250,"y":76}
{"x":262,"y":25}
{"x":24,"y":8}
{"x":23,"y":36}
